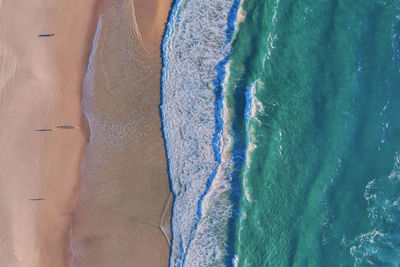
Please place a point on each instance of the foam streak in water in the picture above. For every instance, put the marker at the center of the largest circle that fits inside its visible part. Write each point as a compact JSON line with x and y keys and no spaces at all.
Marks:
{"x":381,"y":245}
{"x":195,"y":49}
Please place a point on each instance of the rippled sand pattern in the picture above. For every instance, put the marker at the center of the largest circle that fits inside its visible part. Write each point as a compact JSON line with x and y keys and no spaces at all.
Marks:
{"x":7,"y":61}
{"x":7,"y":72}
{"x":40,"y":90}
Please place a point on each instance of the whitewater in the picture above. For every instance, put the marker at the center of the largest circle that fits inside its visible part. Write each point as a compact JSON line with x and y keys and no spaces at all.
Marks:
{"x":196,"y":47}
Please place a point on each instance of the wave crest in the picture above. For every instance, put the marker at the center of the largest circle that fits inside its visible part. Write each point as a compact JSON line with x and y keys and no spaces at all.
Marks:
{"x":195,"y":50}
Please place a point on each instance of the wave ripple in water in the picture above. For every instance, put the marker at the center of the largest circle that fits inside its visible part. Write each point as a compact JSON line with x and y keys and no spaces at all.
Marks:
{"x":195,"y":51}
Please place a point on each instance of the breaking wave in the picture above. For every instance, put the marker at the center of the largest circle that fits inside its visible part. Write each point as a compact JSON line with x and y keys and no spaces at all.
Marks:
{"x":196,"y":48}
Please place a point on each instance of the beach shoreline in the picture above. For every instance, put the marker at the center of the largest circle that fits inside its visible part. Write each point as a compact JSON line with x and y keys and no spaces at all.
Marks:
{"x":44,"y":52}
{"x":123,"y":213}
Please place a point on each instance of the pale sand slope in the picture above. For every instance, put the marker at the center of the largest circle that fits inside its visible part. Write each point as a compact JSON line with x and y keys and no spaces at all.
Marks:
{"x":40,"y":87}
{"x":124,"y":207}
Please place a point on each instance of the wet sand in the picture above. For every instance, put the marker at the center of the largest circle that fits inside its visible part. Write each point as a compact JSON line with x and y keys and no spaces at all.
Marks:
{"x":40,"y":88}
{"x":123,"y":213}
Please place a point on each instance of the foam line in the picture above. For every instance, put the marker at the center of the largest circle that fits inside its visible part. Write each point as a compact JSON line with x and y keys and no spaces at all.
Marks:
{"x":194,"y":58}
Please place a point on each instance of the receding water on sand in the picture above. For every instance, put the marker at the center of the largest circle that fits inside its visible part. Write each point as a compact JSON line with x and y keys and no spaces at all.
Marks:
{"x":123,"y":212}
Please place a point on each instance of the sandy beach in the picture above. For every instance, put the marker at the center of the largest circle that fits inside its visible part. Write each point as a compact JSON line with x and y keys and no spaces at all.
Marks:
{"x":40,"y":90}
{"x":123,"y":213}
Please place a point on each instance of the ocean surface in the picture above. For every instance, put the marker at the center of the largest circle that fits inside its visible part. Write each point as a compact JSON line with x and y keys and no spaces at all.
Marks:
{"x":282,"y":130}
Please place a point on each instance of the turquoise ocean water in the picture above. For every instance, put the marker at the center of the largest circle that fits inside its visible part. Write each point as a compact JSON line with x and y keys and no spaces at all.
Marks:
{"x":321,"y":185}
{"x":293,"y":158}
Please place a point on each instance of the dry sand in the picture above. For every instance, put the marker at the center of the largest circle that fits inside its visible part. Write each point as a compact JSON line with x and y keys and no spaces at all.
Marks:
{"x":123,"y":213}
{"x":40,"y":88}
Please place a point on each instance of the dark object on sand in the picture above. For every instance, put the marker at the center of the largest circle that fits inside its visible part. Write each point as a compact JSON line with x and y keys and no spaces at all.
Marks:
{"x":34,"y":199}
{"x":66,"y":127}
{"x":46,"y":35}
{"x":43,"y":130}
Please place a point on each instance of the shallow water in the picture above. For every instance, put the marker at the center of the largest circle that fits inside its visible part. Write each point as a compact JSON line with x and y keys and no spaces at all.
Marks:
{"x":123,"y":210}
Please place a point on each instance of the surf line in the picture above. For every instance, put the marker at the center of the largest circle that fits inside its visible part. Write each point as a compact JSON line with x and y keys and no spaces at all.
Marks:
{"x":169,"y":29}
{"x":218,"y":82}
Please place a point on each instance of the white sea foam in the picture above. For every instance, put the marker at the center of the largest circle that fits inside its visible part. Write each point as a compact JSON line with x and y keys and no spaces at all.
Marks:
{"x":381,"y":245}
{"x":194,"y":44}
{"x":236,"y":261}
{"x":253,"y":107}
{"x":272,"y":36}
{"x":241,"y":16}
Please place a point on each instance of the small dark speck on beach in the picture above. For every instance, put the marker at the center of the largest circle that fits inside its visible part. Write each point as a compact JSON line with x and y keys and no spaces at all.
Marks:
{"x":43,"y":130}
{"x":46,"y":35}
{"x":66,"y":127}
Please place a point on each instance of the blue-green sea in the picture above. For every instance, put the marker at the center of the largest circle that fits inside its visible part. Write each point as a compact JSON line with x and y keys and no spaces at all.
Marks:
{"x":321,"y":184}
{"x":282,"y":131}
